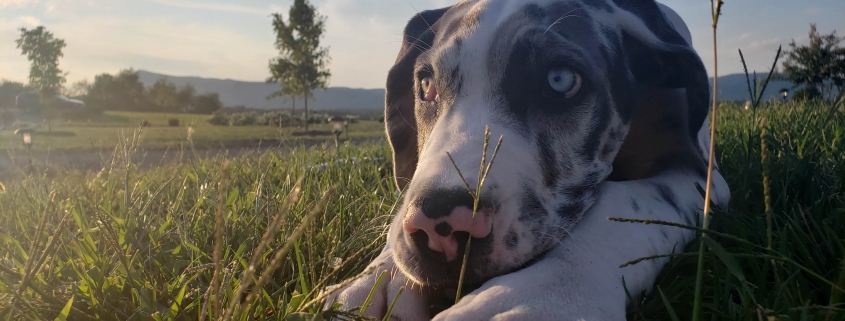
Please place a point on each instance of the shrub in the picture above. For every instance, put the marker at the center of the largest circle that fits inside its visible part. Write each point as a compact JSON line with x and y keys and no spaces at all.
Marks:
{"x":219,"y":118}
{"x":806,"y":94}
{"x":173,"y":122}
{"x":244,"y":119}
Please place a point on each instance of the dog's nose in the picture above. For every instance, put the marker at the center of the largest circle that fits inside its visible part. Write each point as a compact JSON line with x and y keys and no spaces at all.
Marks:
{"x":436,"y":222}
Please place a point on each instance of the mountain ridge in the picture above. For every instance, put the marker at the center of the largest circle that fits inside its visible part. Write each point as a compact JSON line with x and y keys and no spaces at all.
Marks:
{"x":253,"y":94}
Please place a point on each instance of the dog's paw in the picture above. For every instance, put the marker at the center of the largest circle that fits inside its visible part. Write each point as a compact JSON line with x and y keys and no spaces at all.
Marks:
{"x":537,"y":294}
{"x":410,"y":305}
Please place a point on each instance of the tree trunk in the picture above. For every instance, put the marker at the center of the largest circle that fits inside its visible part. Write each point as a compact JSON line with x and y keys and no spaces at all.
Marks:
{"x":306,"y":112}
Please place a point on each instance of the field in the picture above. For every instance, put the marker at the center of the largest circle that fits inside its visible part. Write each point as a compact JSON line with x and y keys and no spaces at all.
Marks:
{"x":168,"y":242}
{"x":102,"y":131}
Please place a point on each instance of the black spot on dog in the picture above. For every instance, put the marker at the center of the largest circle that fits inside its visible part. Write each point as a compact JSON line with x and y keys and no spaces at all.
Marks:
{"x":511,"y":240}
{"x":599,"y":123}
{"x":548,"y":161}
{"x":532,"y":208}
{"x":575,"y":191}
{"x":456,"y":80}
{"x":443,"y":229}
{"x":635,"y":206}
{"x":607,"y":149}
{"x":570,"y":210}
{"x":667,"y":195}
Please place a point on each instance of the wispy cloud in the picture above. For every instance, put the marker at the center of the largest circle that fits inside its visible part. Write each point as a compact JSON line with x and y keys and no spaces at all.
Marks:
{"x":30,"y":20}
{"x":235,"y":8}
{"x":15,"y":3}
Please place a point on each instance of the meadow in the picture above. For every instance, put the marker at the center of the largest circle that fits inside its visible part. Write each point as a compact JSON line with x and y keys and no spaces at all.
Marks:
{"x":257,"y":237}
{"x":104,"y":132}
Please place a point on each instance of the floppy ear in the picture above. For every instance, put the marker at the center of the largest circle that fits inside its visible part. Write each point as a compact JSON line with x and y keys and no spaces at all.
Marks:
{"x":399,"y":119}
{"x":674,"y":95}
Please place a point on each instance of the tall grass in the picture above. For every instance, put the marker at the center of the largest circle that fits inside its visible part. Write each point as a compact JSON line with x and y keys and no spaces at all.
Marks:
{"x":781,"y":253}
{"x":127,"y":244}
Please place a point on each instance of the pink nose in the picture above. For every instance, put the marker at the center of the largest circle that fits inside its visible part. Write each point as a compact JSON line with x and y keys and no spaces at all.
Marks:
{"x":441,"y":231}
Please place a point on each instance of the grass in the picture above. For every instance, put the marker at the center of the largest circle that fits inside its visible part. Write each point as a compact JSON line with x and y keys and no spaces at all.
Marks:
{"x":102,"y":131}
{"x":130,"y":244}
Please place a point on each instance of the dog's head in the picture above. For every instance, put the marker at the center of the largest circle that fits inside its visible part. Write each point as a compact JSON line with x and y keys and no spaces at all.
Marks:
{"x":563,"y":82}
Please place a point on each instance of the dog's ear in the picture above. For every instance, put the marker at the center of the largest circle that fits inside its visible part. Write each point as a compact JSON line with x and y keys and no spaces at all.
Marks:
{"x":657,"y":66}
{"x":399,"y":119}
{"x":671,"y":104}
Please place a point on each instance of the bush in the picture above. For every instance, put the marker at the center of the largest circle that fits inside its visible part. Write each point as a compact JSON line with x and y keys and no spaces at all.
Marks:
{"x":806,"y":94}
{"x":219,"y":118}
{"x":244,"y":119}
{"x":277,"y":119}
{"x":173,"y":122}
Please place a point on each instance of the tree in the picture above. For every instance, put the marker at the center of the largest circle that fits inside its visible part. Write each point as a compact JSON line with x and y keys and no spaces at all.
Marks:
{"x":302,"y":64}
{"x":185,"y":97}
{"x":123,"y":91}
{"x":6,"y":116}
{"x":164,"y":95}
{"x":207,"y":103}
{"x":43,"y":52}
{"x":78,"y":90}
{"x":821,"y":64}
{"x":282,"y":71}
{"x":806,"y":94}
{"x":8,"y":91}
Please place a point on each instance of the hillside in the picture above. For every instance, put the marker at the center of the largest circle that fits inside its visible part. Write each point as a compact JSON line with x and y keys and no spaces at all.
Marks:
{"x":734,"y":87}
{"x":254,"y":94}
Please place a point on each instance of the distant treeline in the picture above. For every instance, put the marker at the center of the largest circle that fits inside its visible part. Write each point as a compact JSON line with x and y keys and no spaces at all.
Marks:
{"x":125,"y":92}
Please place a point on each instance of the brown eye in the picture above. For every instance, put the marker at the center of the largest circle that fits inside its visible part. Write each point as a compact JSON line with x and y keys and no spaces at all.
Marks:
{"x":565,"y":81}
{"x":428,"y":89}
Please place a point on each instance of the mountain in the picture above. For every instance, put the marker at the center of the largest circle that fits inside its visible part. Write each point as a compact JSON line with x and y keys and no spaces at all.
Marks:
{"x":254,"y":94}
{"x":734,"y":87}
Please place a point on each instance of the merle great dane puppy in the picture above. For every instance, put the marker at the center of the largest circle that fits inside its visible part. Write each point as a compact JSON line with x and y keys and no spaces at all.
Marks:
{"x":602,"y":105}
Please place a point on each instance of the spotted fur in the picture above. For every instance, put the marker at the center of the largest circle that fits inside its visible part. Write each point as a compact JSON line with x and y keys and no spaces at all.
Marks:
{"x":631,"y":143}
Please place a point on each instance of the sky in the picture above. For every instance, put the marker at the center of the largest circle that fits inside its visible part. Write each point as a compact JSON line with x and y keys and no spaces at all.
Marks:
{"x":234,"y":39}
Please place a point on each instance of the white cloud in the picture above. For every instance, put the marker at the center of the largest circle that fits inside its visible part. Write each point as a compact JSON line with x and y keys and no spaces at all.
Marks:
{"x":30,"y":20}
{"x":214,"y":7}
{"x":15,"y":3}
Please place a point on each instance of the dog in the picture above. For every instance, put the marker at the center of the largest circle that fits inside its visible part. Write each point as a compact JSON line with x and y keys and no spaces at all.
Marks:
{"x":602,"y":107}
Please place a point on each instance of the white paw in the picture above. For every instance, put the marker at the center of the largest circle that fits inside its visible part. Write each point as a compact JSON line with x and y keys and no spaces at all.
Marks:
{"x":410,"y":306}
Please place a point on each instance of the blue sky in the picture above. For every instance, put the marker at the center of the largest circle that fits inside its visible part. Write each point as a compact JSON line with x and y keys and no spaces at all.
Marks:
{"x":233,"y":39}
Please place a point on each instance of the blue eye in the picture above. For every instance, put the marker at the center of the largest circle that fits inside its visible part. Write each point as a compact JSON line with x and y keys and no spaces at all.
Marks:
{"x":565,"y":81}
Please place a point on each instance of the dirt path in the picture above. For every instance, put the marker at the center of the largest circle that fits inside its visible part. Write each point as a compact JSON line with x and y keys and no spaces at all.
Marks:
{"x":13,"y":161}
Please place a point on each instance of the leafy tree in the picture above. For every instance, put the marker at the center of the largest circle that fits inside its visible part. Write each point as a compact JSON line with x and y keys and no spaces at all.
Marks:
{"x":302,"y":64}
{"x":806,"y":94}
{"x":165,"y":96}
{"x":185,"y":97}
{"x":6,"y":116}
{"x":207,"y":103}
{"x":43,"y":52}
{"x":78,"y":90}
{"x":8,"y":91}
{"x":123,"y":91}
{"x":821,"y":64}
{"x":282,"y":71}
